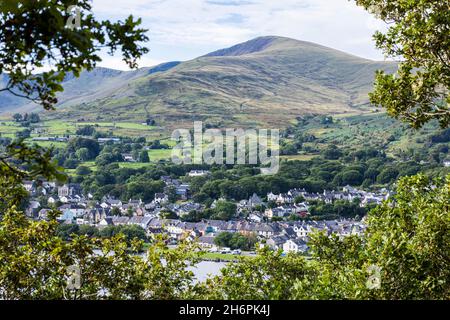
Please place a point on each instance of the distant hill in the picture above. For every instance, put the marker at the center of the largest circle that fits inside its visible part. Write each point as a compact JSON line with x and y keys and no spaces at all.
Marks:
{"x":264,"y":81}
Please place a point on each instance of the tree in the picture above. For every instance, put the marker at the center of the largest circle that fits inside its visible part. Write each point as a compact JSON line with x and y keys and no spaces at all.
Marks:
{"x":115,"y":211}
{"x":352,"y":177}
{"x":86,"y":131}
{"x":41,"y":257}
{"x":224,"y":210}
{"x":143,"y":157}
{"x":410,"y":240}
{"x":332,"y":153}
{"x":223,"y":239}
{"x":83,"y":170}
{"x":387,"y":175}
{"x":194,"y":216}
{"x":17,"y":117}
{"x":83,"y":154}
{"x":91,"y":145}
{"x":35,"y":32}
{"x":419,"y":34}
{"x":34,"y":118}
{"x":24,"y":134}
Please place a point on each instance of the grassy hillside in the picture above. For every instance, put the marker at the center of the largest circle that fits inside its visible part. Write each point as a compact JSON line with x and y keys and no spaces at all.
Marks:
{"x":267,"y":81}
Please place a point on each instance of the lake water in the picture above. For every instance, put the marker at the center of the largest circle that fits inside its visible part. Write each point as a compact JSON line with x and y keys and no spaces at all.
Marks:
{"x":205,"y":269}
{"x":202,"y":270}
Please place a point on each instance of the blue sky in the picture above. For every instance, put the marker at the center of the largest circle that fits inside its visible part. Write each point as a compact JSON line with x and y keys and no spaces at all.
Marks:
{"x":185,"y":29}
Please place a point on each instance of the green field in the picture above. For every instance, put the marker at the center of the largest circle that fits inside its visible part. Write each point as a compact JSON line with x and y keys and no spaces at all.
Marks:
{"x":223,"y":257}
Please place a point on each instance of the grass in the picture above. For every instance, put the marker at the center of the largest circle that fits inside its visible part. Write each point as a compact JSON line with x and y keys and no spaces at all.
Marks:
{"x":160,"y":154}
{"x":50,"y":144}
{"x":121,"y":125}
{"x":299,"y":157}
{"x":133,"y":165}
{"x":223,"y":257}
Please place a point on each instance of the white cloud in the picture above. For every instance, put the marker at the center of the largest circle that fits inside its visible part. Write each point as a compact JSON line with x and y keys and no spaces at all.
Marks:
{"x":185,"y":29}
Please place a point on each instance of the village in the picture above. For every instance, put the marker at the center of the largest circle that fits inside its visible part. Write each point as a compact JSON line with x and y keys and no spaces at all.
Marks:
{"x":269,"y":225}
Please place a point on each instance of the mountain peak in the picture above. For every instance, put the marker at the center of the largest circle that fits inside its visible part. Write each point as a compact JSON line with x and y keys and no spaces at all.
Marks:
{"x":252,"y":46}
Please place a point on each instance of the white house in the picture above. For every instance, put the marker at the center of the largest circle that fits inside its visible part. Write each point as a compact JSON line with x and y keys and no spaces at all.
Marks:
{"x":271,"y":197}
{"x":447,"y":163}
{"x":295,"y":246}
{"x":198,"y":173}
{"x":161,"y":198}
{"x":255,"y":217}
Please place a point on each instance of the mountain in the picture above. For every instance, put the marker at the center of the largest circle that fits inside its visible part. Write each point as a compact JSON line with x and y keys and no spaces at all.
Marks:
{"x":90,"y":86}
{"x":264,"y":81}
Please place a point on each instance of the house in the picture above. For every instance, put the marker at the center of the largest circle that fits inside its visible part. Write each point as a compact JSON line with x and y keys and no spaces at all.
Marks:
{"x":111,"y":203}
{"x":302,"y":231}
{"x":349,"y":189}
{"x":301,"y":209}
{"x":284,"y":198}
{"x":128,"y":157}
{"x":280,"y":212}
{"x":135,"y":206}
{"x":106,"y":222}
{"x":51,"y":200}
{"x":33,"y":209}
{"x":161,"y":198}
{"x":276,"y":243}
{"x":271,"y":197}
{"x":71,"y":211}
{"x":140,"y":221}
{"x":96,"y":215}
{"x":28,"y":185}
{"x":198,"y":173}
{"x":70,"y":189}
{"x":295,"y":246}
{"x":370,"y":200}
{"x":264,"y":230}
{"x":43,"y":214}
{"x":255,"y":217}
{"x":294,"y":193}
{"x":182,"y":191}
{"x":120,"y":221}
{"x":184,"y":209}
{"x":206,"y":241}
{"x":447,"y":163}
{"x":105,"y":140}
{"x":275,"y":213}
{"x":254,"y":201}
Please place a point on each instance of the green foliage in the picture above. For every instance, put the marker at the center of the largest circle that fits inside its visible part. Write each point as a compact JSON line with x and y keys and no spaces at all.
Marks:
{"x":131,"y":232}
{"x":337,"y":209}
{"x":34,"y":33}
{"x":235,"y":241}
{"x":224,"y":210}
{"x":332,"y":153}
{"x":410,"y":240}
{"x":419,"y":34}
{"x":84,"y":148}
{"x":86,"y":131}
{"x":143,"y":157}
{"x":35,"y":257}
{"x":83,"y":170}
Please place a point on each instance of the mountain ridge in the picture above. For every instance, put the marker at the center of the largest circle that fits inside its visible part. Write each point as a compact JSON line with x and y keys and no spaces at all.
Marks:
{"x":263,"y":81}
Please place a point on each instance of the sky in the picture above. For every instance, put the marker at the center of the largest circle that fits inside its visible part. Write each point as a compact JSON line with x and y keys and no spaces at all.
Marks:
{"x":181,"y":30}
